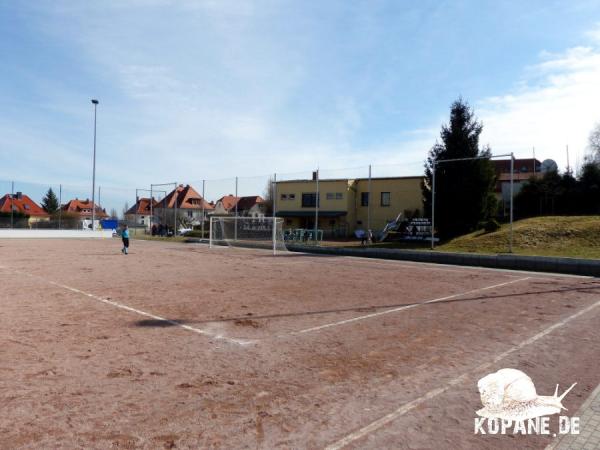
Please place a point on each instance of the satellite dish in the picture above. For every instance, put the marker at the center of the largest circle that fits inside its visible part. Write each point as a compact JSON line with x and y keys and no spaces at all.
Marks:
{"x":549,"y":165}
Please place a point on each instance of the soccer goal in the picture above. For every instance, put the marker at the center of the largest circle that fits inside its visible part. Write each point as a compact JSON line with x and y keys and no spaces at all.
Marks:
{"x":252,"y":232}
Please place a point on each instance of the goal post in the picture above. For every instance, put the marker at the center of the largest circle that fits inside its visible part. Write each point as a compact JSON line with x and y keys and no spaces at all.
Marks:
{"x":250,"y":232}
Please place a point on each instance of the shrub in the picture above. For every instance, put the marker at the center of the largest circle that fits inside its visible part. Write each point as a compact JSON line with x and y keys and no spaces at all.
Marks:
{"x":491,"y":225}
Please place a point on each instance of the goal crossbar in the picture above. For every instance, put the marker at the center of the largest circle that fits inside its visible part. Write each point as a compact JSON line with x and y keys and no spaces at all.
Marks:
{"x":253,"y":232}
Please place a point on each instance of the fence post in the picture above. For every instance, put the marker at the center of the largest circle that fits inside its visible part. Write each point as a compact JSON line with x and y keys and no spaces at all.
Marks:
{"x":59,"y":205}
{"x":12,"y":204}
{"x":433,"y":207}
{"x":512,"y":174}
{"x":317,"y":209}
{"x":236,"y":210}
{"x":369,"y":203}
{"x":203,"y":211}
{"x":175,"y":209}
{"x":274,"y":197}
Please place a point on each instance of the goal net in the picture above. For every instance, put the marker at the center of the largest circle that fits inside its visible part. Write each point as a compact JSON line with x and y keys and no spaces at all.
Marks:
{"x":259,"y":232}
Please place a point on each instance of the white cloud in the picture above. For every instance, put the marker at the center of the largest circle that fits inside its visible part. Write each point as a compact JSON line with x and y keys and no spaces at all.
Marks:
{"x":203,"y":90}
{"x":557,"y":105}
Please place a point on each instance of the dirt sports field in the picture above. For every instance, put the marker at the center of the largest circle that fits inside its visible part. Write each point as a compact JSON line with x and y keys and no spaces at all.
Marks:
{"x":180,"y":346}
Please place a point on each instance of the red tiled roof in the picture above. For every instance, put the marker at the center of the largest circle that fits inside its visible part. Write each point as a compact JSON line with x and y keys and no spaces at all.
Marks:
{"x":142,"y":206}
{"x":23,"y":204}
{"x":228,"y":201}
{"x":185,"y":197}
{"x":83,"y":208}
{"x":245,"y":203}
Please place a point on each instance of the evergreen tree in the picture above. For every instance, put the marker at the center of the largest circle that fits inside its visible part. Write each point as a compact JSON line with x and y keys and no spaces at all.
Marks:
{"x":589,"y":181}
{"x":464,"y":192}
{"x":50,"y":202}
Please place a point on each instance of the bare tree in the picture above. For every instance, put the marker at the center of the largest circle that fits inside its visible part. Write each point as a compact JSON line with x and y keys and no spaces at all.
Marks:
{"x":269,"y":196}
{"x":125,"y":209}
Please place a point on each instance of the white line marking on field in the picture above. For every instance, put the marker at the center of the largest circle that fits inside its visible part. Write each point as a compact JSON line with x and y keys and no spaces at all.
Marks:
{"x":403,"y":308}
{"x":373,"y":426}
{"x":134,"y":310}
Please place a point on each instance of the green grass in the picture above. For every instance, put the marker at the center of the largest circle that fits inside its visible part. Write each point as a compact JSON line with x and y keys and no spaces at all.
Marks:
{"x":574,"y":236}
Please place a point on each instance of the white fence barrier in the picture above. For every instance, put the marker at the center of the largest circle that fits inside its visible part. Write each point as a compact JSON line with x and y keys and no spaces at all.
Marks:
{"x":17,"y":233}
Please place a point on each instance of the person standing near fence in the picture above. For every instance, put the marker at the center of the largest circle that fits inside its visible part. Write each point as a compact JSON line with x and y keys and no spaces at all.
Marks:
{"x":125,"y":238}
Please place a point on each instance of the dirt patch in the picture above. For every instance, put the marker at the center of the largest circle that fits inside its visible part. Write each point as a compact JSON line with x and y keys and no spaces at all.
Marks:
{"x":329,"y":347}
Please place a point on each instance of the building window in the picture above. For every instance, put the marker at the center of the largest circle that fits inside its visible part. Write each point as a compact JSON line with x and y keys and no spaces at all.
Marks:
{"x":364,"y":199}
{"x":309,"y":200}
{"x":291,"y":196}
{"x":330,"y":196}
{"x":385,"y":199}
{"x":190,"y":213}
{"x":339,"y":195}
{"x":142,"y":221}
{"x":284,"y":196}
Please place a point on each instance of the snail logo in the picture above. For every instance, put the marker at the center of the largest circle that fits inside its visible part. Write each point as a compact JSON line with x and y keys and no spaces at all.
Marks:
{"x":509,"y":397}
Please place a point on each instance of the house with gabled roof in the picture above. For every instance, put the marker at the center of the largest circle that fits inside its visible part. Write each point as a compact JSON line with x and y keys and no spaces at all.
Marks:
{"x":23,"y":204}
{"x":139,"y":214}
{"x":247,"y":206}
{"x":83,"y":208}
{"x":191,"y":207}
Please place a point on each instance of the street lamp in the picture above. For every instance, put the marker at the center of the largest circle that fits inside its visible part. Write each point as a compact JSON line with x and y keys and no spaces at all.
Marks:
{"x":95,"y":102}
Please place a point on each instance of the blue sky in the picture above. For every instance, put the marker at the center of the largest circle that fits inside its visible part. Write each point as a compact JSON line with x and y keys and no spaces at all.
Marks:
{"x":193,"y":90}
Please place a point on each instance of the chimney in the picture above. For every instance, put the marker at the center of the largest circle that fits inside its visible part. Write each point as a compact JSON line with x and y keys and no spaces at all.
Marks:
{"x":19,"y":195}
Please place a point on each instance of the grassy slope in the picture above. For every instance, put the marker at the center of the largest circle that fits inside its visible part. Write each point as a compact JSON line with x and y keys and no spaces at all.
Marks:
{"x":544,"y":236}
{"x":577,"y":237}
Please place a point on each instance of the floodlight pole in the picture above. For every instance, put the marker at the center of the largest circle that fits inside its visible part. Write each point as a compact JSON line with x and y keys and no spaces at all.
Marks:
{"x":95,"y":103}
{"x":435,"y":162}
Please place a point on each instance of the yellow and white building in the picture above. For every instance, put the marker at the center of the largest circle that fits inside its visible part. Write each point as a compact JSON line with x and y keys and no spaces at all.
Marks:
{"x":346,"y":205}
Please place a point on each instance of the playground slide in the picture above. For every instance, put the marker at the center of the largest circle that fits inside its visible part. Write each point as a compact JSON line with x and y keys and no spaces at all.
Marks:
{"x":390,"y":226}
